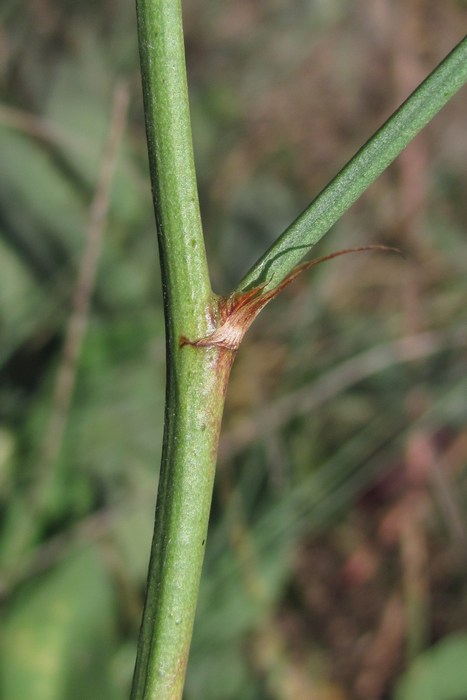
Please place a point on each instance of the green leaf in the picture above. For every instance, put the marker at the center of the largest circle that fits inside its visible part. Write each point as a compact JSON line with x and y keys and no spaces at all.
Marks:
{"x":58,"y":635}
{"x":22,"y":302}
{"x":438,"y":674}
{"x":31,"y":180}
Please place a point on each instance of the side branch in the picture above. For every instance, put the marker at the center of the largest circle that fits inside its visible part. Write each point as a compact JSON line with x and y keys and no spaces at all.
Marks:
{"x":355,"y":177}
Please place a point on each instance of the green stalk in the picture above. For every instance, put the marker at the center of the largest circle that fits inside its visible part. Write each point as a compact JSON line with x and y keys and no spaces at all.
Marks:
{"x":195,"y":398}
{"x":196,"y":378}
{"x":355,"y":177}
{"x":185,"y":275}
{"x":211,"y":328}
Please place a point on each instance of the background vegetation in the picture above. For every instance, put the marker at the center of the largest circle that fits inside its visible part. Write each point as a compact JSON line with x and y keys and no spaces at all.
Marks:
{"x":336,"y":563}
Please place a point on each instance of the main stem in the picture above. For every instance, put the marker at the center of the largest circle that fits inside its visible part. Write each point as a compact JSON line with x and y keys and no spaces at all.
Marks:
{"x":198,"y":368}
{"x":196,"y":377}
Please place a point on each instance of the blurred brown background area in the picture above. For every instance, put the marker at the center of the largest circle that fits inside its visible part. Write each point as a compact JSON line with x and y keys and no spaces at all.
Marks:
{"x":336,"y":563}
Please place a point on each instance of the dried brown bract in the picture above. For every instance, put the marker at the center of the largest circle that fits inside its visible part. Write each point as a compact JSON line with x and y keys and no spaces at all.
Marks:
{"x":238,"y":311}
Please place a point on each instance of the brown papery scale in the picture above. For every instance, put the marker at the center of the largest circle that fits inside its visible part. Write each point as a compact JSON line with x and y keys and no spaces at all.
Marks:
{"x":238,"y":311}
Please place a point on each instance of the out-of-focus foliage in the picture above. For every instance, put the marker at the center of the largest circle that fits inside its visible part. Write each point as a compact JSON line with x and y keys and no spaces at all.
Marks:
{"x":336,"y":554}
{"x":438,"y":674}
{"x":59,"y":635}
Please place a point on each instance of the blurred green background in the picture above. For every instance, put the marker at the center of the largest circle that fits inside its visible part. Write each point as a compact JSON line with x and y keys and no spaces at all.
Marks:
{"x":337,"y":557}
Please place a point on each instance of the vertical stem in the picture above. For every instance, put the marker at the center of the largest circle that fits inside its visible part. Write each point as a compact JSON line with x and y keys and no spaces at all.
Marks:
{"x":195,"y":400}
{"x":196,"y":377}
{"x":185,"y":275}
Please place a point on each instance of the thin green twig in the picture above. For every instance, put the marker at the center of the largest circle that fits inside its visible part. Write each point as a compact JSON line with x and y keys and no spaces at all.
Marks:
{"x":355,"y":177}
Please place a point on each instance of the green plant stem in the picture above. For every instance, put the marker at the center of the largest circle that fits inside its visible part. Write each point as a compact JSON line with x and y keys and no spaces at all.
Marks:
{"x":196,"y":378}
{"x":355,"y":177}
{"x":197,"y":373}
{"x":185,"y":277}
{"x":194,"y":408}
